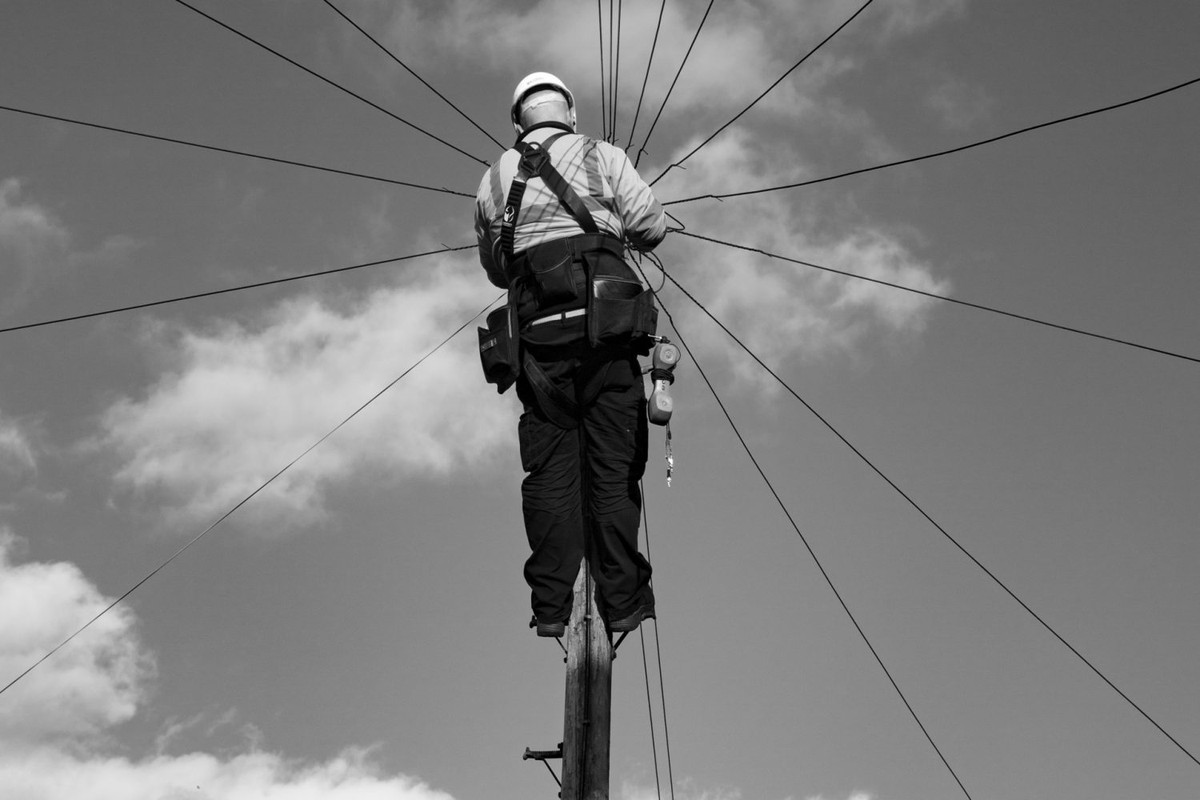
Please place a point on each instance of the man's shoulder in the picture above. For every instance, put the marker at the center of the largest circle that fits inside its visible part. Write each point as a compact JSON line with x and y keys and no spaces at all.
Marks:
{"x":485,"y":182}
{"x":609,"y":152}
{"x":495,"y":173}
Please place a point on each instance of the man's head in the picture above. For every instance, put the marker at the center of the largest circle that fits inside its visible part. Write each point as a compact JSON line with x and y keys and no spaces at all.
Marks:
{"x":542,"y":97}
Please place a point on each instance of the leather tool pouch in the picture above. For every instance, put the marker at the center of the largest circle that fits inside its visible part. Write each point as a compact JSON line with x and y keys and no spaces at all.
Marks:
{"x":500,"y":348}
{"x":619,"y":312}
{"x":553,"y":279}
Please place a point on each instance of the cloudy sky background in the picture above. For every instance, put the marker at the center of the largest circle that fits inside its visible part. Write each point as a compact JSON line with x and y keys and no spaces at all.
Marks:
{"x":357,"y":630}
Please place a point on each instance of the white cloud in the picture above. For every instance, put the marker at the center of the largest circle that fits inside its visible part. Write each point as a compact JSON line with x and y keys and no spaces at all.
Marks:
{"x":731,"y":61}
{"x":741,"y":49}
{"x":687,"y":790}
{"x":89,"y":685}
{"x":32,"y":242}
{"x":736,"y":161}
{"x":785,"y":311}
{"x":53,"y":722}
{"x":36,"y":247}
{"x":50,"y":774}
{"x":205,"y":726}
{"x":903,"y":17}
{"x":241,"y":400}
{"x":17,"y":456}
{"x":960,"y":104}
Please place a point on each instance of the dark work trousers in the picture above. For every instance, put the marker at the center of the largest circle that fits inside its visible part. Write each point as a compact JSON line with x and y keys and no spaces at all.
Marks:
{"x":610,"y":444}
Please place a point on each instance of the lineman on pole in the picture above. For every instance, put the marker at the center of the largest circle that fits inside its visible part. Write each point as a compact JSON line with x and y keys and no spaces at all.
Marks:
{"x":552,"y":217}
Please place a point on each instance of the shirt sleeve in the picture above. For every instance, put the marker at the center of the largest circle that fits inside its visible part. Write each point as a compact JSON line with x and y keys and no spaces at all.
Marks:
{"x":641,"y":214}
{"x":483,"y":232}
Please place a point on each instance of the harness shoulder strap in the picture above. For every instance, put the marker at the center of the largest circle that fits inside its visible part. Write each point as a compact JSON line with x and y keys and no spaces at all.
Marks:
{"x":540,"y":161}
{"x":535,"y":160}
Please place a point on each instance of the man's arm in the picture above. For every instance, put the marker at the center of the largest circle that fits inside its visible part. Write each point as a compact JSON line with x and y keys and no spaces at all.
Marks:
{"x":642,"y":215}
{"x":483,"y":236}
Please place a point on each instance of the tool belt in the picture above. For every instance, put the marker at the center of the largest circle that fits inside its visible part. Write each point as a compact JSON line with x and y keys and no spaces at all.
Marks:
{"x":561,"y":280}
{"x":620,"y":311}
{"x":500,"y":347}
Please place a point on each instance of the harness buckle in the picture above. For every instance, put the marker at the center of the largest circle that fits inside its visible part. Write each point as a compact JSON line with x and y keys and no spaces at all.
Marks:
{"x":535,"y":158}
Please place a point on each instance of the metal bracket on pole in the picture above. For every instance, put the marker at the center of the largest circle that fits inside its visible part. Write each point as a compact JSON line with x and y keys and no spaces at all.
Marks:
{"x":542,"y":756}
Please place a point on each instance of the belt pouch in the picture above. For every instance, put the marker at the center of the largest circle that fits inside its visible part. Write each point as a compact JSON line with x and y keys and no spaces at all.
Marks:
{"x":620,"y":312}
{"x":499,"y":348}
{"x":550,"y":268}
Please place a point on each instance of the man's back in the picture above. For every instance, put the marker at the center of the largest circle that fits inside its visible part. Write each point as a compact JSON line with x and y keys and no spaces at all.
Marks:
{"x":620,"y":202}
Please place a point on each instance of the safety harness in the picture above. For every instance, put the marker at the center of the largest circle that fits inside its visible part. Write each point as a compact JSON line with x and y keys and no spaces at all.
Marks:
{"x":535,"y":160}
{"x":559,"y":407}
{"x":617,"y":307}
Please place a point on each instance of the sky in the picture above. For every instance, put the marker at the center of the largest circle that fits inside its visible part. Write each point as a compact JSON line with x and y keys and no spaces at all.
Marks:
{"x":357,"y":629}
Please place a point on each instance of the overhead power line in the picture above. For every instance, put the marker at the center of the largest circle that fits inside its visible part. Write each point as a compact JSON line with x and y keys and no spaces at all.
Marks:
{"x":650,"y":714}
{"x":603,"y":76}
{"x":332,"y":83}
{"x":653,"y":47}
{"x":228,"y":151}
{"x":812,"y":553}
{"x":614,"y":31}
{"x":678,"y":72}
{"x":242,"y":502}
{"x":228,"y":290}
{"x":767,"y":91}
{"x":907,"y":498}
{"x":935,"y":296}
{"x":939,"y":153}
{"x":396,"y":58}
{"x":646,"y":668}
{"x":662,"y":690}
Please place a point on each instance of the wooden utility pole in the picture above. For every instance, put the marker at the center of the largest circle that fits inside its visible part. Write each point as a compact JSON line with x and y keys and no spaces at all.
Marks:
{"x":589,"y":697}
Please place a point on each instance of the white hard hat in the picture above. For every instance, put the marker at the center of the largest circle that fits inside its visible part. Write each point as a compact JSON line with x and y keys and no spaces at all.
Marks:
{"x":536,"y":81}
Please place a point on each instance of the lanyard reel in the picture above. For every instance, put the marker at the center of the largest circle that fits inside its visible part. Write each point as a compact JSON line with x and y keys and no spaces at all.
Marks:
{"x":663,"y":360}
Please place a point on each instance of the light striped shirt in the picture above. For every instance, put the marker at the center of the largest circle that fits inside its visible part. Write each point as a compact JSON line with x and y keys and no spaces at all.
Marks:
{"x":620,"y":202}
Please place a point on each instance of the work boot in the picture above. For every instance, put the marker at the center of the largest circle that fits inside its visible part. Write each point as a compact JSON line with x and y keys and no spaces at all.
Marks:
{"x":554,"y":630}
{"x":631,"y":622}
